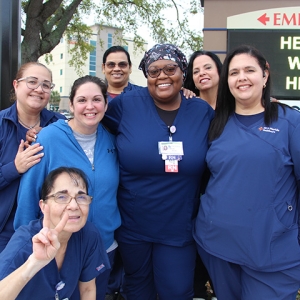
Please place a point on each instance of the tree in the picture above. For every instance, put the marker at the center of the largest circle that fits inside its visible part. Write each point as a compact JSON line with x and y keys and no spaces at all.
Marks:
{"x":46,"y":21}
{"x":54,"y":98}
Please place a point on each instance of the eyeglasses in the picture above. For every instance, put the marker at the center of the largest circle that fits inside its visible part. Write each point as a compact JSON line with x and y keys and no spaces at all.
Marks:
{"x":33,"y":83}
{"x":121,"y":65}
{"x":169,"y":70}
{"x":64,"y":198}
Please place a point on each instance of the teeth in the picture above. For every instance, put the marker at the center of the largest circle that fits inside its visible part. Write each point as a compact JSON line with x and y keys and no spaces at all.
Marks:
{"x":243,"y":87}
{"x":203,"y":80}
{"x":37,"y":97}
{"x":89,"y":115}
{"x":164,"y":84}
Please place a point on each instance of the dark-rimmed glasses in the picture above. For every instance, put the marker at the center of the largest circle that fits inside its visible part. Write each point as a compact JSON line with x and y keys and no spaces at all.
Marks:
{"x":33,"y":83}
{"x":121,"y":64}
{"x":169,"y":70}
{"x":64,"y":198}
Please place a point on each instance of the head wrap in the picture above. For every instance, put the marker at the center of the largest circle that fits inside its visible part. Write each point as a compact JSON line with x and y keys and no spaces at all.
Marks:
{"x":163,"y":51}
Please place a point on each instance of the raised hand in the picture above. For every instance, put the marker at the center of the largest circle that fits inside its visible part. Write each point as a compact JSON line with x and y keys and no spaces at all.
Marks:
{"x":45,"y":244}
{"x":26,"y":158}
{"x":31,"y":135}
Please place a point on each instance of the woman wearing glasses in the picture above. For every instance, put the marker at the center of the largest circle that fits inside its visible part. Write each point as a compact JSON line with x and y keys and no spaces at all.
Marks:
{"x":117,"y":67}
{"x":84,"y":143}
{"x":162,"y":143}
{"x":32,"y":89}
{"x":47,"y":258}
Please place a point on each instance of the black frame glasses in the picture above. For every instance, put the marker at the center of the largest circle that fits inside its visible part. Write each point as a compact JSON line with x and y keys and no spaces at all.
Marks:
{"x":65,"y":198}
{"x":33,"y":83}
{"x":121,"y":64}
{"x":169,"y":70}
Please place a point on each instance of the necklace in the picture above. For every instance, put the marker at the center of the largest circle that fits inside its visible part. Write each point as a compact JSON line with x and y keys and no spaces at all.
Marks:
{"x":27,"y":126}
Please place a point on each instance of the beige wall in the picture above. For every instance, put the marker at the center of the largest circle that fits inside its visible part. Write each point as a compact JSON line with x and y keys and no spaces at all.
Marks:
{"x":217,"y":11}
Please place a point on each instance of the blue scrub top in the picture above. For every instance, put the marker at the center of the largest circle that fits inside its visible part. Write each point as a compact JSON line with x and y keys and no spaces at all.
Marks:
{"x":85,"y":259}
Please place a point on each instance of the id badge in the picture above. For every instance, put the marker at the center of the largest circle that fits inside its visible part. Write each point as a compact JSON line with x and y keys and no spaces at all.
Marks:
{"x":170,"y":148}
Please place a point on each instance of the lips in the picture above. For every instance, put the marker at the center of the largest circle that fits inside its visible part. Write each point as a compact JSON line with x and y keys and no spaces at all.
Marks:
{"x":117,"y":75}
{"x":244,"y":87}
{"x":90,"y":114}
{"x":204,"y":80}
{"x":164,"y":84}
{"x":36,"y":96}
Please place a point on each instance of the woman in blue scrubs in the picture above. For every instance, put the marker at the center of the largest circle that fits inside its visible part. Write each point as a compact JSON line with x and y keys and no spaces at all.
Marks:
{"x":247,"y":225}
{"x":161,"y":140}
{"x":47,"y":258}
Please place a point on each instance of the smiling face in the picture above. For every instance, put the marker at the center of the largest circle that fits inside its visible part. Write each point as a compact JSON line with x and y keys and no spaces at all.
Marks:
{"x":246,"y":80}
{"x":165,"y":89}
{"x":116,"y":76}
{"x":205,"y":73}
{"x":88,"y":107}
{"x":29,"y":100}
{"x":78,"y":214}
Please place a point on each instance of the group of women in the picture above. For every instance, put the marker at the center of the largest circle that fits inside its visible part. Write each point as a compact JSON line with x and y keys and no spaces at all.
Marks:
{"x":146,"y":154}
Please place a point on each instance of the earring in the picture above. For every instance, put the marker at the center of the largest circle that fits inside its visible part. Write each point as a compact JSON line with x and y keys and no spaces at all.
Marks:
{"x":264,"y":85}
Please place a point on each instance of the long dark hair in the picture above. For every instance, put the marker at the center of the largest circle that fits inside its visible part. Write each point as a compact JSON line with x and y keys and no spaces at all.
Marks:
{"x":226,"y":102}
{"x":189,"y":82}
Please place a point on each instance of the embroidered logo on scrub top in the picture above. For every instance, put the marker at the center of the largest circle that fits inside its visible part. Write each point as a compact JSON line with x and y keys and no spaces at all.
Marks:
{"x":100,"y":267}
{"x":269,"y":129}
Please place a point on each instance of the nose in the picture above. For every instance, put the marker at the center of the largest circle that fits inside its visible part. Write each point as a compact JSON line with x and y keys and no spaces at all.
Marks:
{"x":242,"y":76}
{"x":73,"y":204}
{"x":39,"y":87}
{"x":116,"y":67}
{"x":202,"y":72}
{"x":162,"y":74}
{"x":89,"y":104}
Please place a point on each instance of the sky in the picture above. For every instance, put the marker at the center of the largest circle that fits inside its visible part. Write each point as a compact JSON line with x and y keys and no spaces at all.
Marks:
{"x":195,"y":23}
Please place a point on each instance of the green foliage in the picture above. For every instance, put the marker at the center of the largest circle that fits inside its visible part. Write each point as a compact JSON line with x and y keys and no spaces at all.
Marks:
{"x":54,"y":98}
{"x":46,"y":21}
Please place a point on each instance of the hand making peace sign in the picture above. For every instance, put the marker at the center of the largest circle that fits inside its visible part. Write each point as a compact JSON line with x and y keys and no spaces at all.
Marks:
{"x":45,"y":244}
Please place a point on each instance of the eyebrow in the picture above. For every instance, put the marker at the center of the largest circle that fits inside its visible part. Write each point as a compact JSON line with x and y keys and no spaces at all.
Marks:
{"x":66,"y":192}
{"x":111,"y":61}
{"x":38,"y":79}
{"x":82,"y":96}
{"x":206,"y":65}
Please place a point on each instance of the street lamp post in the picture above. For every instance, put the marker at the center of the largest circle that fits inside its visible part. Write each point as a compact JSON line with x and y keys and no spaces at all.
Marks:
{"x":10,"y":29}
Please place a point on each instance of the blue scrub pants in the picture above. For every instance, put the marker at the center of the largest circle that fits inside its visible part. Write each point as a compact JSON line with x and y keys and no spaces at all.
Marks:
{"x":238,"y":282}
{"x":152,"y":269}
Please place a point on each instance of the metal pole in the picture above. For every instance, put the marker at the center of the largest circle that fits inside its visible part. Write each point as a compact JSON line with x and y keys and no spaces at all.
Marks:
{"x":10,"y":45}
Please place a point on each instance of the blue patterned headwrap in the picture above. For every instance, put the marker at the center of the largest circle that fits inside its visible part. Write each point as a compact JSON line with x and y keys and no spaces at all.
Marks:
{"x":163,"y":51}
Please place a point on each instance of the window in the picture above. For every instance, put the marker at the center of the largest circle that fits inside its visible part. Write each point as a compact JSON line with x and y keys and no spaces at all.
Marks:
{"x":61,"y":56}
{"x":92,"y":66}
{"x":60,"y":72}
{"x":109,"y":40}
{"x":126,"y":48}
{"x":60,"y":89}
